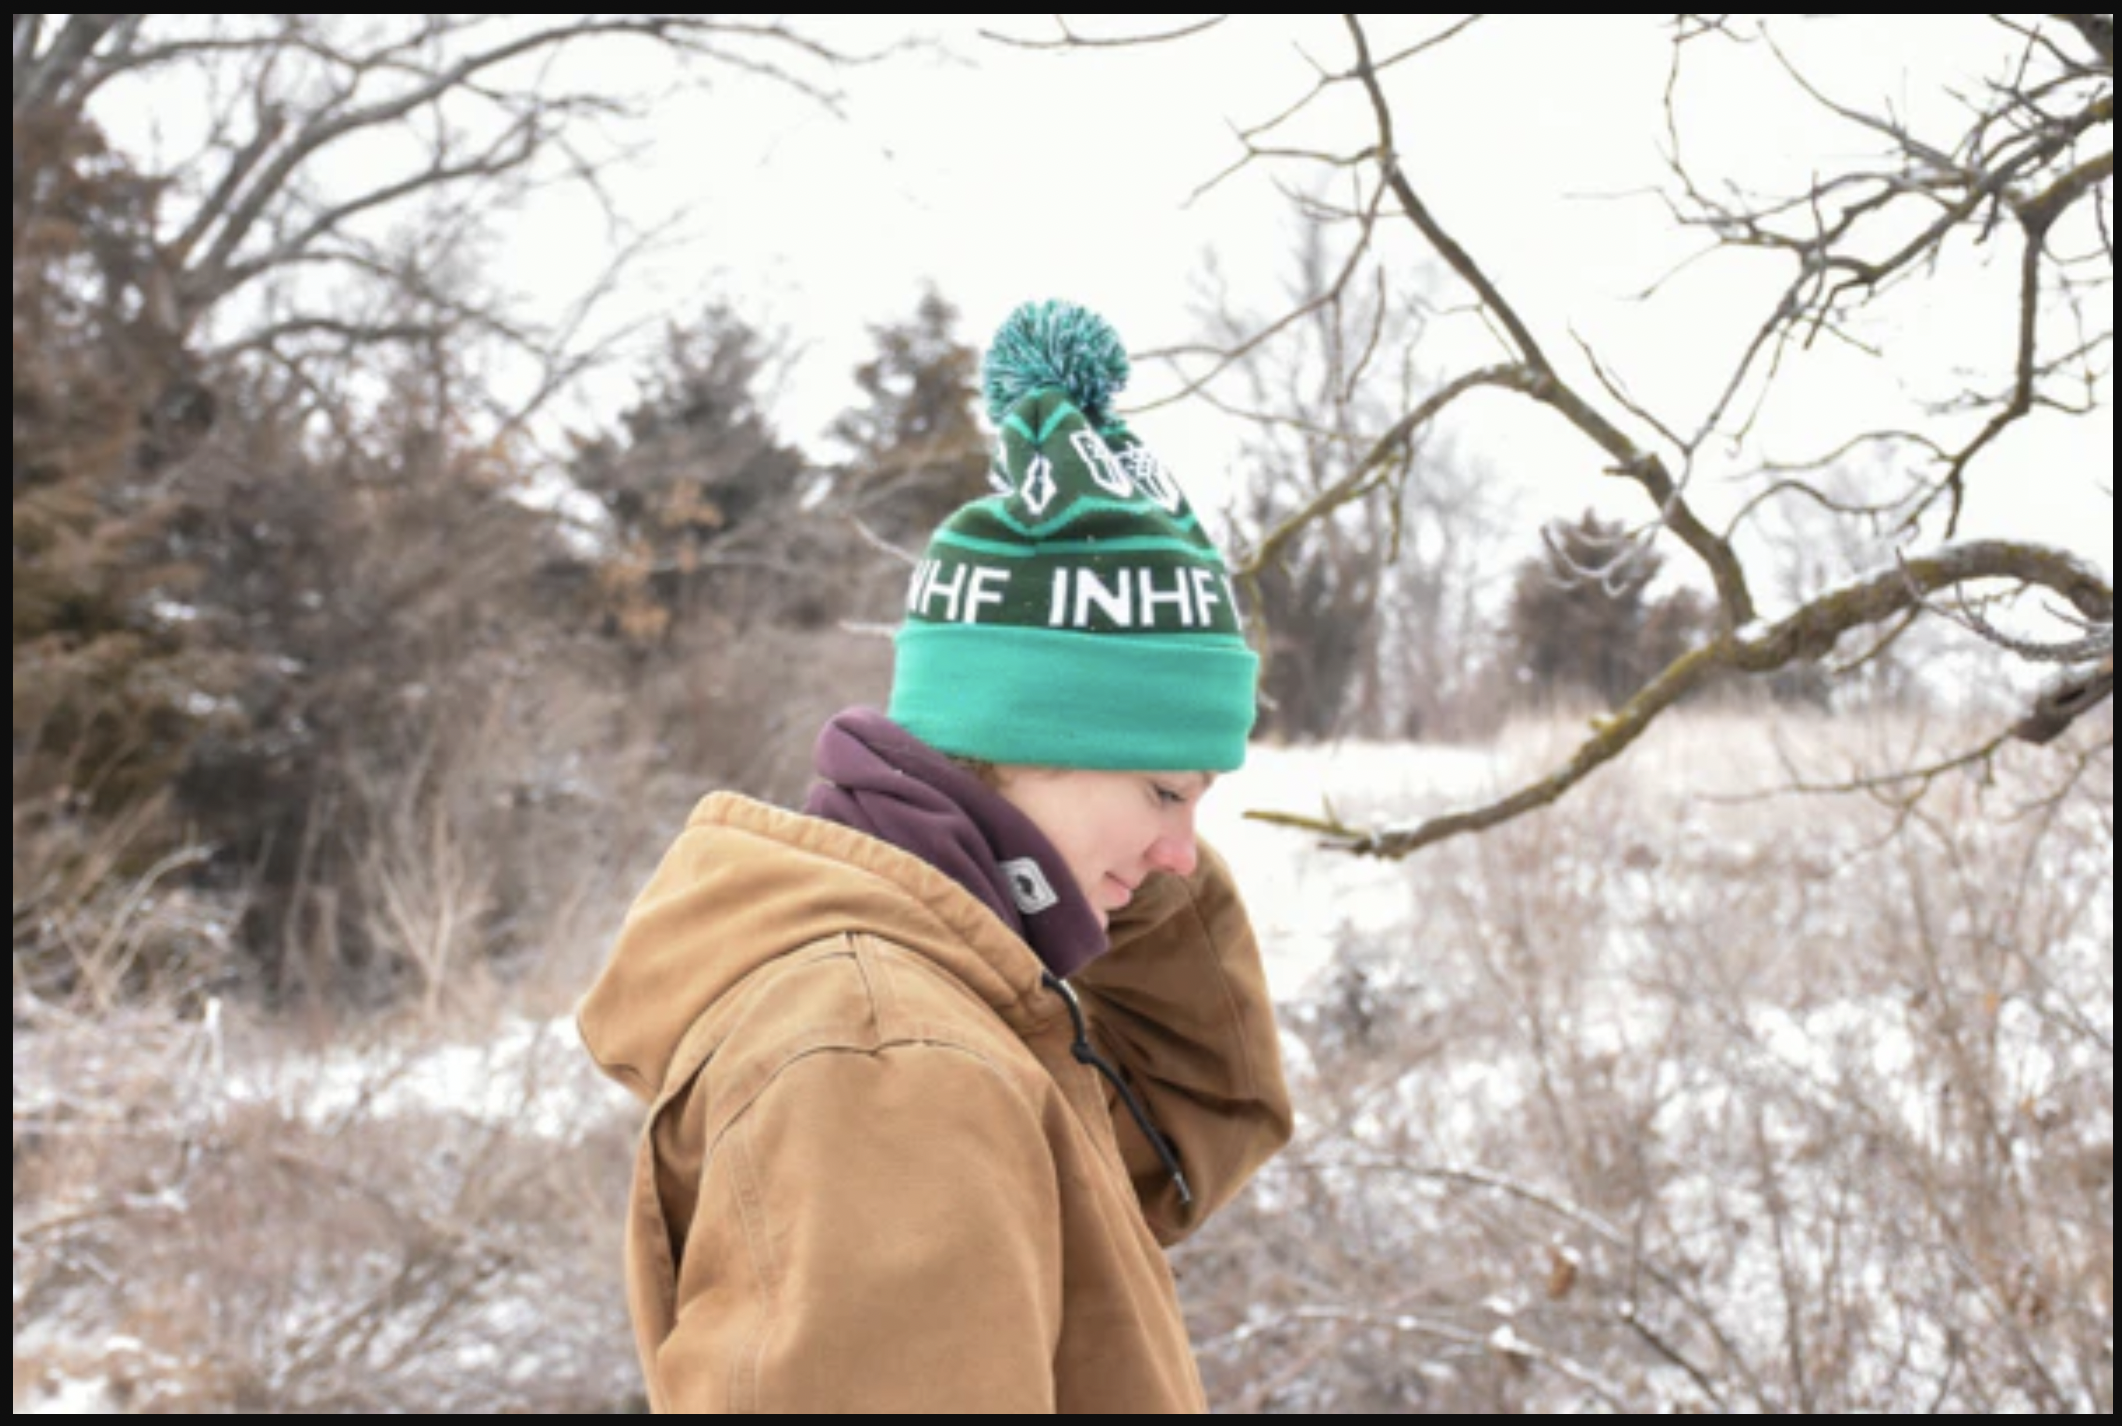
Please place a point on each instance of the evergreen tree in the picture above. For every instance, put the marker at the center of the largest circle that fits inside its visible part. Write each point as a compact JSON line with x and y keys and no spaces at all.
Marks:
{"x":703,"y":496}
{"x":919,"y":451}
{"x":1581,"y":616}
{"x":102,"y":684}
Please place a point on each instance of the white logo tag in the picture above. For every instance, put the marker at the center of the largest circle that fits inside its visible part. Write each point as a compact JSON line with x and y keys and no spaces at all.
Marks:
{"x":1105,"y":466}
{"x":1153,"y":480}
{"x":1039,"y":486}
{"x":1029,"y":887}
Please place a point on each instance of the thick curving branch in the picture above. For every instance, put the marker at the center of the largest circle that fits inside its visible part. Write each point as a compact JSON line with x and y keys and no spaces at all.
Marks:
{"x":2032,"y":163}
{"x":2097,"y":31}
{"x":1809,"y":633}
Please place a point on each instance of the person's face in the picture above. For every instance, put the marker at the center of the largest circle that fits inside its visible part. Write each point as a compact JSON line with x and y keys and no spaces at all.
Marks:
{"x":1113,"y":829}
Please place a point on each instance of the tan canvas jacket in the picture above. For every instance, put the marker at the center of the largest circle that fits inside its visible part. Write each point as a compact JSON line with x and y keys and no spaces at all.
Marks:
{"x":874,"y":1177}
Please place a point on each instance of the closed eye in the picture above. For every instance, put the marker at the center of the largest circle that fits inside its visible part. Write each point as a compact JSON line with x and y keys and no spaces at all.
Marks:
{"x":1169,"y":797}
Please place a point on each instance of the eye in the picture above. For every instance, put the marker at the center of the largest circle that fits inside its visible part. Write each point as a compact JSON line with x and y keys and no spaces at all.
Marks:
{"x":1168,"y":797}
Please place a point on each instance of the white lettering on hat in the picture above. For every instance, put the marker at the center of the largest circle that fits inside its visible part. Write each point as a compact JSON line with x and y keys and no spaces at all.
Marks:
{"x":968,"y":591}
{"x":952,"y":592}
{"x":1082,"y":599}
{"x":1029,"y":888}
{"x":985,"y":597}
{"x":1180,"y":598}
{"x":1117,"y":605}
{"x":1205,"y":595}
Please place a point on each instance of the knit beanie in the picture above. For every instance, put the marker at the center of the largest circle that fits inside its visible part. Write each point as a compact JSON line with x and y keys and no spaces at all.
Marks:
{"x":1080,"y":616}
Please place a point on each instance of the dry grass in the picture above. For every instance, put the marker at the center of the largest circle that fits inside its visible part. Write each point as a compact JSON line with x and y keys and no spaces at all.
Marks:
{"x":1670,"y":1104}
{"x":100,"y":919}
{"x":249,"y":1234}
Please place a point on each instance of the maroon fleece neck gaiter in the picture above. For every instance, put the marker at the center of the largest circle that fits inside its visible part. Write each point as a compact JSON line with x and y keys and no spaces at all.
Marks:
{"x":879,"y":779}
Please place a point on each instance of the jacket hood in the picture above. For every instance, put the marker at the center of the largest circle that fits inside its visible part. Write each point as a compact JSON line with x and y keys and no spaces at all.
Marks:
{"x":746,"y":883}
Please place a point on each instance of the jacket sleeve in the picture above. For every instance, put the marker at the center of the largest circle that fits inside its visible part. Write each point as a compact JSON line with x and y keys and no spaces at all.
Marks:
{"x":1180,"y":1004}
{"x":876,"y":1232}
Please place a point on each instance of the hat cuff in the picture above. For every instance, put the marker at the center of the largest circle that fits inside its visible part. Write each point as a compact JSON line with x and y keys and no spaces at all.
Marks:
{"x":1058,"y":698}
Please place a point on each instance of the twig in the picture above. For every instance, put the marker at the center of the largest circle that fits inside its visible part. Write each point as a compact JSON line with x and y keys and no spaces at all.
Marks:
{"x":881,"y":545}
{"x":2100,"y":643}
{"x":1070,"y":40}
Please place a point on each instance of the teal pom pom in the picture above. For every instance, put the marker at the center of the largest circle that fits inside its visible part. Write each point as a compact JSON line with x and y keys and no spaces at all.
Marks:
{"x":1048,"y":346}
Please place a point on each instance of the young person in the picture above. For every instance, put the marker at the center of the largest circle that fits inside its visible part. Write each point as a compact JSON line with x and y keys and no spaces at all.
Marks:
{"x":937,"y":1070}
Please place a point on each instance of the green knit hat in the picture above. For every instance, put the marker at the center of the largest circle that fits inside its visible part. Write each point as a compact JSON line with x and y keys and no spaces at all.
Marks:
{"x":1079,"y":617}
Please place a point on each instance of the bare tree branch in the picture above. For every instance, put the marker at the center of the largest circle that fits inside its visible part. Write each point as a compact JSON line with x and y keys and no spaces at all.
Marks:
{"x":2101,"y":642}
{"x":1070,"y":40}
{"x":1864,"y":509}
{"x":1525,"y":346}
{"x":1229,"y":357}
{"x":1543,"y":383}
{"x":1260,"y":131}
{"x":1433,"y":43}
{"x":1810,"y":633}
{"x":1997,"y":171}
{"x":353,"y":334}
{"x":2099,"y":32}
{"x":269,"y":199}
{"x":55,"y":78}
{"x":1354,"y":485}
{"x":1907,"y":784}
{"x":2062,"y":704}
{"x":2029,"y":161}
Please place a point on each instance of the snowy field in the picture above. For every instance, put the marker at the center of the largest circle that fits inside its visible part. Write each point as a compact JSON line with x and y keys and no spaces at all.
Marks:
{"x":1683,"y":1099}
{"x":1657,"y":1102}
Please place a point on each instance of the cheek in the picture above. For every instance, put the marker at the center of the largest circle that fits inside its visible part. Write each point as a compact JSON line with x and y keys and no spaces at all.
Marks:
{"x":1105,"y":836}
{"x":1081,"y":853}
{"x":1097,"y":849}
{"x":1129,"y":834}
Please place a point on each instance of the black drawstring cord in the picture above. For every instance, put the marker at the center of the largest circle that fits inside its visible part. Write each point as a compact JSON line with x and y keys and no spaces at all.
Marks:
{"x":1086,"y":1055}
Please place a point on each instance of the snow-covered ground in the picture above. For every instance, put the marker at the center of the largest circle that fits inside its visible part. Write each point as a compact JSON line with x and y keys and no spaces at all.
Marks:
{"x":1305,"y":899}
{"x":529,"y":1075}
{"x":1788,"y":1033}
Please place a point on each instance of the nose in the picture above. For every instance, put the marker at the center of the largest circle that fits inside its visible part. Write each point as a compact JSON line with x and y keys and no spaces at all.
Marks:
{"x":1176,"y":851}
